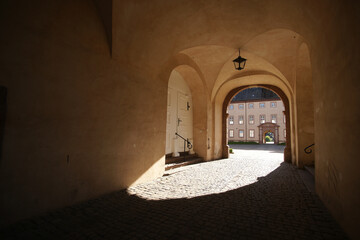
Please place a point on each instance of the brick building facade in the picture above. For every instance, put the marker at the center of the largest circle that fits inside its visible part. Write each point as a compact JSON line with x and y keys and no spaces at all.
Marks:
{"x":251,"y":120}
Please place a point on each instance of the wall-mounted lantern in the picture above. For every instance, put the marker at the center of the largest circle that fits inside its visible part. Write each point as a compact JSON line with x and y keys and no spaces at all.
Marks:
{"x":239,"y":62}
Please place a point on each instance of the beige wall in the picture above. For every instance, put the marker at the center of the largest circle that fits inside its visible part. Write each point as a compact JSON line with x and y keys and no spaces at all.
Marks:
{"x":304,"y":107}
{"x":73,"y":126}
{"x":85,"y":94}
{"x":256,"y":111}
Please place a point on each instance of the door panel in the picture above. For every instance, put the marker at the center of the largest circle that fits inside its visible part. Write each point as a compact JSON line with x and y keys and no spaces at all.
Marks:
{"x":171,"y":121}
{"x":184,"y":121}
{"x":179,"y":120}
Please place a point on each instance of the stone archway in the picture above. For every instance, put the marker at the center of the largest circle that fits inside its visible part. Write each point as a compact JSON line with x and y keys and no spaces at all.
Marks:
{"x":268,"y":127}
{"x":193,"y":78}
{"x":284,"y":98}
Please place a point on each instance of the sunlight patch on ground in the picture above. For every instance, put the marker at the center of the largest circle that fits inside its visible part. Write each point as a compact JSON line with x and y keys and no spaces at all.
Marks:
{"x":243,"y":167}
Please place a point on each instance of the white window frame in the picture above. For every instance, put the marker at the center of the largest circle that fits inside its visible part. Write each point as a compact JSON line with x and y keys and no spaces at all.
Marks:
{"x":231,"y":120}
{"x":273,"y":104}
{"x":241,"y":133}
{"x":231,"y":107}
{"x":251,"y":121}
{"x":272,"y":118}
{"x":251,"y":105}
{"x":262,"y":120}
{"x":261,"y":105}
{"x":241,"y":106}
{"x":241,"y":119}
{"x":231,"y":133}
{"x":252,"y":133}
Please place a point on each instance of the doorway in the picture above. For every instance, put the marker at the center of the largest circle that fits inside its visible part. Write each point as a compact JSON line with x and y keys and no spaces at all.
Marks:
{"x":269,"y":133}
{"x":269,"y":137}
{"x":179,"y":124}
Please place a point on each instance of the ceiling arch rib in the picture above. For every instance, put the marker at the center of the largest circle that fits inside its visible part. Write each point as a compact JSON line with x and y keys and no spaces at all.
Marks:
{"x":252,"y":80}
{"x":273,"y":51}
{"x":179,"y":61}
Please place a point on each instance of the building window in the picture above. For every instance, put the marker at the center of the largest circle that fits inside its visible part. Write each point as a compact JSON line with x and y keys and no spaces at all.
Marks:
{"x":231,"y":120}
{"x":261,"y":105}
{"x":262,"y":118}
{"x":241,"y":106}
{"x":231,"y":133}
{"x":251,"y":105}
{"x":273,"y":104}
{"x":241,"y":120}
{"x":251,"y":119}
{"x":252,"y":133}
{"x":284,"y":133}
{"x":273,"y":118}
{"x":231,"y":107}
{"x":241,"y":133}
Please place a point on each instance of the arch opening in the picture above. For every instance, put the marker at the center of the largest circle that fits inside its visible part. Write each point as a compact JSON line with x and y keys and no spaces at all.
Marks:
{"x":187,"y":110}
{"x":179,"y":117}
{"x":258,"y":120}
{"x":269,"y":137}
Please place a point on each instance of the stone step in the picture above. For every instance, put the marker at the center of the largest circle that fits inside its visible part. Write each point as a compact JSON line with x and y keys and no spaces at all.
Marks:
{"x":189,"y":161}
{"x":179,"y":159}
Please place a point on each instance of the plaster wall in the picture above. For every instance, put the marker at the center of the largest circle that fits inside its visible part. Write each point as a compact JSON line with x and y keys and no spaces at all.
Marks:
{"x":336,"y":89}
{"x":304,"y":108}
{"x":68,"y":107}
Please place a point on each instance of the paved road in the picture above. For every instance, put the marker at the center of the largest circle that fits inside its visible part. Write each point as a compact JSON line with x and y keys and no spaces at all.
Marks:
{"x":252,"y":195}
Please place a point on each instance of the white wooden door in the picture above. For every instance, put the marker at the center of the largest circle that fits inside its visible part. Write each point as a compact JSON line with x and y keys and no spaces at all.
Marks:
{"x":179,"y":114}
{"x":171,"y":120}
{"x":184,"y":121}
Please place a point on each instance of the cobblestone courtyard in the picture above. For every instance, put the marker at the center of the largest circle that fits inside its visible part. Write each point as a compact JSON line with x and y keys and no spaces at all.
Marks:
{"x":251,"y":195}
{"x":243,"y":168}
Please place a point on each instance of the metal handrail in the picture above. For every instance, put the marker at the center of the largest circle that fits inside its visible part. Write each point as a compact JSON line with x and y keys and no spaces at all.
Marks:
{"x":186,"y":143}
{"x":310,"y":150}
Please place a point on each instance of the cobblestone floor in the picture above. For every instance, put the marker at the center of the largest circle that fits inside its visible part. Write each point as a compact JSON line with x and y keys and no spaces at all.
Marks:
{"x":249,"y":163}
{"x":252,"y":195}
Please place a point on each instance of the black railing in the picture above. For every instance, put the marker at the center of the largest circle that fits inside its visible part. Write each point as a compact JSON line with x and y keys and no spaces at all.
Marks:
{"x":308,"y":149}
{"x":187,"y":143}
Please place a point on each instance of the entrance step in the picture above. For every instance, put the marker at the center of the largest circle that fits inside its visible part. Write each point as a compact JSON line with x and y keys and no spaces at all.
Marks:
{"x":175,"y":162}
{"x":179,"y":158}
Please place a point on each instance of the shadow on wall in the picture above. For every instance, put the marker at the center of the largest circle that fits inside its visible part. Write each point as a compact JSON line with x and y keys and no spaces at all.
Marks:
{"x":3,"y":94}
{"x":278,"y":206}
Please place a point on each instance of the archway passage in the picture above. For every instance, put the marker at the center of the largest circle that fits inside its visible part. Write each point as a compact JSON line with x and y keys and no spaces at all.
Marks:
{"x":258,"y":117}
{"x":93,"y":147}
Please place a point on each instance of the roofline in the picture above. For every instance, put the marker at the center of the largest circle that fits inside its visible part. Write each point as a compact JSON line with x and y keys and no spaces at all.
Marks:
{"x":257,"y":100}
